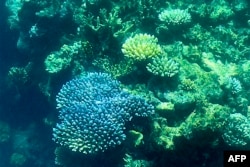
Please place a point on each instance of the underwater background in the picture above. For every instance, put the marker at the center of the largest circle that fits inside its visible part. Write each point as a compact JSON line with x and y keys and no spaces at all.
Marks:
{"x":123,"y":83}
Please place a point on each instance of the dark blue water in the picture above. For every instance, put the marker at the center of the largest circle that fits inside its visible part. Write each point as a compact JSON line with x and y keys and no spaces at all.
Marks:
{"x":27,"y":142}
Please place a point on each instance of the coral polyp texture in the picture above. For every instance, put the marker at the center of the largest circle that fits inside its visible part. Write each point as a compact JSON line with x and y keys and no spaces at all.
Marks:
{"x":237,"y":130}
{"x":175,"y":17}
{"x":141,"y":47}
{"x":93,"y":113}
{"x":164,"y":67}
{"x":94,"y":87}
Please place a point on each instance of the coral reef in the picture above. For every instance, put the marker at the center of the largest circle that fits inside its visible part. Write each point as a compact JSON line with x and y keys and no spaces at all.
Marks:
{"x":93,"y":112}
{"x":185,"y":61}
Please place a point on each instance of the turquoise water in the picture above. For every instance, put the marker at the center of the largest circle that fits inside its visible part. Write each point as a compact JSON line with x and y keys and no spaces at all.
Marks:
{"x":123,"y":83}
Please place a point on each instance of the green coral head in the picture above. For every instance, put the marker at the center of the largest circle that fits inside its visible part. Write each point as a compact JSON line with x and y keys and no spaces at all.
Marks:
{"x":163,"y":66}
{"x":141,"y":47}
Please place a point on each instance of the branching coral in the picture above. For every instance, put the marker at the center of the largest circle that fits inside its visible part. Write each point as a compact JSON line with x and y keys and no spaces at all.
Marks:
{"x":93,"y":113}
{"x":19,"y":76}
{"x":141,"y":47}
{"x":237,"y":130}
{"x":175,"y":17}
{"x":14,"y":7}
{"x":122,"y":68}
{"x":164,"y":67}
{"x":233,"y":85}
{"x":221,"y":12}
{"x":131,"y":162}
{"x":57,"y":61}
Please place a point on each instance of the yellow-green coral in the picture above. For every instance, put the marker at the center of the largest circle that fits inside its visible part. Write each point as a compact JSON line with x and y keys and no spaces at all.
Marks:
{"x":165,"y":106}
{"x":188,"y":85}
{"x":221,"y":12}
{"x":59,"y":60}
{"x":55,"y":63}
{"x":136,"y":136}
{"x":141,"y":47}
{"x":165,"y":135}
{"x":213,"y":117}
{"x":122,"y":68}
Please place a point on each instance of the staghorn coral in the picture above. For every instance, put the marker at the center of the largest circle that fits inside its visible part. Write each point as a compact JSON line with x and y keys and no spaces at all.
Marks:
{"x":93,"y":113}
{"x":141,"y":47}
{"x":162,"y":66}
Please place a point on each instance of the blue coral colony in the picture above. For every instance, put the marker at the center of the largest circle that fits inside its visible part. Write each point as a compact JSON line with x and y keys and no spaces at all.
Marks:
{"x":93,"y":112}
{"x":181,"y":65}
